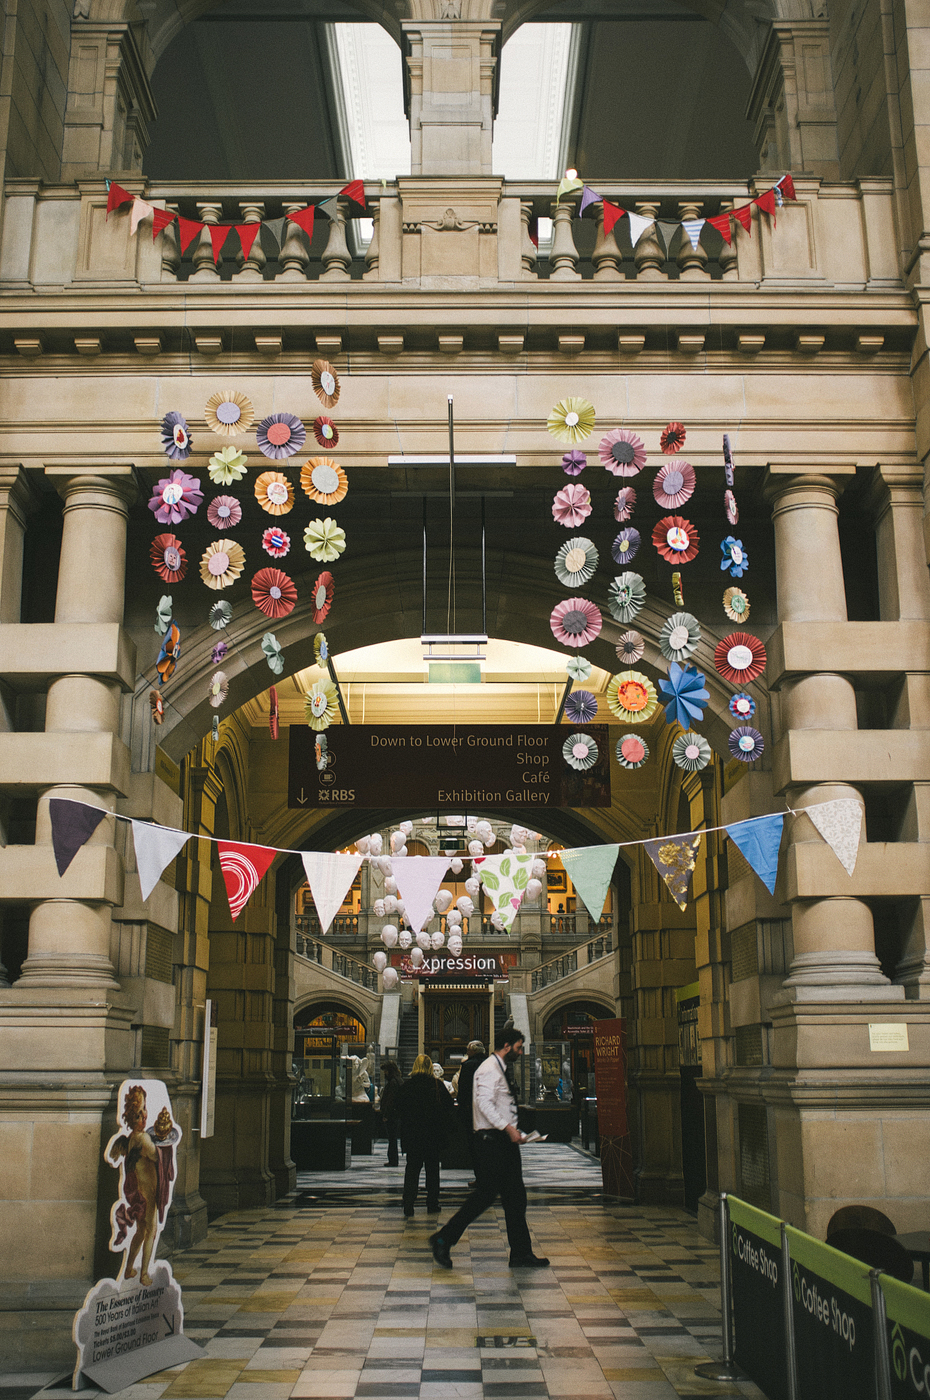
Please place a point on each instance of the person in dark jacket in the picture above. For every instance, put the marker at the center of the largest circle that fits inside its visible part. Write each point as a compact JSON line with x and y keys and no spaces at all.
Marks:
{"x":426,"y":1113}
{"x":476,"y":1054}
{"x":390,"y":1112}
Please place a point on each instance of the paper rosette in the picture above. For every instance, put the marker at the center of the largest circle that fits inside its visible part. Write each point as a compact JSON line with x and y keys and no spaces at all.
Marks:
{"x":321,"y":705}
{"x":622,"y":453}
{"x":324,"y":590}
{"x":580,"y":751}
{"x":274,"y":493}
{"x":632,"y":751}
{"x":623,"y":505}
{"x":742,"y":706}
{"x":227,"y":466}
{"x":686,"y":695}
{"x":676,"y":539}
{"x":215,"y":729}
{"x":218,"y":653}
{"x":679,"y":636}
{"x":163,"y":614}
{"x":571,"y":505}
{"x":740,"y":658}
{"x":736,"y":605}
{"x":691,"y":752}
{"x":571,"y":420}
{"x":280,"y":435}
{"x":273,"y":593}
{"x":220,"y":616}
{"x":626,"y":596}
{"x":674,"y":484}
{"x":158,"y":707}
{"x":746,"y":744}
{"x":731,"y":508}
{"x":273,"y":653}
{"x":219,"y":689}
{"x":229,"y":413}
{"x":325,"y":383}
{"x":175,"y":497}
{"x":276,"y":542}
{"x":734,"y":558}
{"x":321,"y":648}
{"x":574,"y":462}
{"x":321,"y":752}
{"x":626,"y":546}
{"x":169,"y":653}
{"x":176,"y":437}
{"x":672,"y":438}
{"x":324,"y":482}
{"x":222,"y":563}
{"x":168,"y":558}
{"x":581,"y":707}
{"x":677,"y":591}
{"x":576,"y":562}
{"x":630,"y":647}
{"x":324,"y":540}
{"x":224,"y":512}
{"x":575,"y":622}
{"x":578,"y":667}
{"x":632,"y":697}
{"x":325,"y":431}
{"x":273,"y":711}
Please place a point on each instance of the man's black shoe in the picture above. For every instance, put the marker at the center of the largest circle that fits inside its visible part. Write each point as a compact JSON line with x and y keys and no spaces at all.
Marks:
{"x":528,"y":1261}
{"x":441,"y":1251}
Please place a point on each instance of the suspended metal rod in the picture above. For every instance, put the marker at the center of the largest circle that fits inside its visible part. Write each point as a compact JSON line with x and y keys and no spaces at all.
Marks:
{"x":565,"y":694}
{"x":484,"y":574}
{"x":335,"y":680}
{"x":423,"y":629}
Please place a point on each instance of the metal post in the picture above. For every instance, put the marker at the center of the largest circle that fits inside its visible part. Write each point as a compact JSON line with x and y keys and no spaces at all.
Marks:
{"x":565,"y":694}
{"x":335,"y":680}
{"x":424,"y":567}
{"x":880,"y":1327}
{"x":791,"y":1352}
{"x":725,"y":1369}
{"x":484,"y":574}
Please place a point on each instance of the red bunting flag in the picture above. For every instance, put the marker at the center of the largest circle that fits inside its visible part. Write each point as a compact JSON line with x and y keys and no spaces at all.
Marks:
{"x":160,"y":221}
{"x":117,"y":196}
{"x":768,"y":202}
{"x":247,"y":235}
{"x":533,"y":232}
{"x":355,"y":190}
{"x":743,"y":215}
{"x":786,"y":185}
{"x":218,"y":236}
{"x":721,"y":222}
{"x":243,"y":867}
{"x":188,"y":230}
{"x":304,"y":219}
{"x":612,"y":212}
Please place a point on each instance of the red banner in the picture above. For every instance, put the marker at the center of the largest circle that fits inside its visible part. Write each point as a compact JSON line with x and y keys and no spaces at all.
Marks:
{"x":612,"y":1121}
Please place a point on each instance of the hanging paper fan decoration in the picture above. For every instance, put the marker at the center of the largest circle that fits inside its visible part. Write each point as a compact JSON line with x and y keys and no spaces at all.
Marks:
{"x":325,"y":432}
{"x":574,"y":462}
{"x":325,"y":383}
{"x":632,"y":751}
{"x":578,"y":667}
{"x":168,"y":558}
{"x":734,"y":558}
{"x":623,"y":505}
{"x":276,"y":542}
{"x":321,"y":752}
{"x":273,"y":653}
{"x":581,"y":707}
{"x":273,"y":593}
{"x":571,"y":505}
{"x":622,"y":453}
{"x":580,"y":751}
{"x":672,"y":438}
{"x":274,"y":493}
{"x":626,"y":596}
{"x":746,"y":744}
{"x":626,"y":546}
{"x":324,"y":590}
{"x":691,"y":752}
{"x":321,"y":647}
{"x":176,"y":437}
{"x":170,"y":652}
{"x":175,"y":497}
{"x":686,"y":695}
{"x":158,"y":707}
{"x":324,"y":540}
{"x":218,"y":653}
{"x":679,"y":636}
{"x":630,"y":648}
{"x":324,"y":482}
{"x":571,"y":420}
{"x":321,"y":705}
{"x":742,"y":706}
{"x":677,"y":590}
{"x":229,"y":413}
{"x":219,"y":689}
{"x":280,"y":435}
{"x":163,"y":614}
{"x":273,"y":711}
{"x":676,"y":539}
{"x":631,"y":696}
{"x":227,"y":466}
{"x":220,"y":616}
{"x":736,"y":605}
{"x":575,"y":622}
{"x":674,"y":484}
{"x":224,"y":512}
{"x":215,"y":729}
{"x":740,"y":658}
{"x":731,"y":508}
{"x":222,"y":563}
{"x":576,"y":562}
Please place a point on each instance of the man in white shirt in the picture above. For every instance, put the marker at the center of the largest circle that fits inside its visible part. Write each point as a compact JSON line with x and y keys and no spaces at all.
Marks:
{"x":498,"y":1169}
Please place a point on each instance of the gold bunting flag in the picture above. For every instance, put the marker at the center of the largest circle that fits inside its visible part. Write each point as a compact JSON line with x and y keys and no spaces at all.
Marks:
{"x":674,"y":858}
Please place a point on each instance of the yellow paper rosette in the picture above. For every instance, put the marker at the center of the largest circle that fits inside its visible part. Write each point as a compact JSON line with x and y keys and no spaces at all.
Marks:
{"x":227,"y":466}
{"x":229,"y":413}
{"x":571,"y":420}
{"x":321,"y":705}
{"x":222,"y":563}
{"x":632,"y":697}
{"x":274,"y":493}
{"x":324,"y":540}
{"x":324,"y":482}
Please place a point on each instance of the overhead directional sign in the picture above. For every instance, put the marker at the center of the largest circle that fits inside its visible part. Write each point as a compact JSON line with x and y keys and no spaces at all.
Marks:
{"x":459,"y":767}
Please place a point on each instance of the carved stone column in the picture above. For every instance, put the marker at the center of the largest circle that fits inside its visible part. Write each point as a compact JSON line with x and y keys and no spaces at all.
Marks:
{"x":792,"y":102}
{"x":564,"y":255}
{"x":206,"y":268}
{"x":648,"y":253}
{"x":110,"y":102}
{"x":450,"y":94}
{"x":17,"y":498}
{"x":336,"y":256}
{"x":692,"y":261}
{"x":252,"y":266}
{"x":607,"y":257}
{"x":293,"y":257}
{"x":528,"y":250}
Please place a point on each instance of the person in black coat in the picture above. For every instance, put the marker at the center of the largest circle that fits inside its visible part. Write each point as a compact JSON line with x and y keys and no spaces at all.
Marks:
{"x":426,"y":1113}
{"x":476,"y":1055}
{"x":390,"y":1112}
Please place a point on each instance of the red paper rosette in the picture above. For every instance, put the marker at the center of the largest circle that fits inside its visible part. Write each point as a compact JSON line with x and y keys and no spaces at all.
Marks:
{"x":168,"y":558}
{"x":325,"y":431}
{"x":672,"y":438}
{"x":676,"y":539}
{"x":324,"y":590}
{"x":740,"y":658}
{"x":273,"y":593}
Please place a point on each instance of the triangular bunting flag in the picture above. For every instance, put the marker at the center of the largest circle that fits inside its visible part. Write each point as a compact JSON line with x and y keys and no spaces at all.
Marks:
{"x":330,"y":878}
{"x":275,"y":227}
{"x":568,"y":186}
{"x":759,"y":840}
{"x":743,"y":215}
{"x":355,"y":190}
{"x":767,"y":202}
{"x":218,"y":236}
{"x":840,"y":825}
{"x":588,"y":196}
{"x":590,"y":868}
{"x":692,"y":228}
{"x":117,"y":196}
{"x":73,"y":823}
{"x":418,"y":878}
{"x":188,"y":230}
{"x":721,"y":222}
{"x":638,"y":226}
{"x":243,"y":866}
{"x":247,"y":236}
{"x":786,"y":185}
{"x":303,"y":218}
{"x":668,"y":232}
{"x":329,"y":206}
{"x":533,"y":231}
{"x":139,"y":211}
{"x":673,"y":857}
{"x":505,"y":878}
{"x":161,"y":218}
{"x":612,"y":212}
{"x":156,"y":847}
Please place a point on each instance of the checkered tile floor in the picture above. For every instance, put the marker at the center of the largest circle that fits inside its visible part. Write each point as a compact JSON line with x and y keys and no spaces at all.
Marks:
{"x":332,"y":1295}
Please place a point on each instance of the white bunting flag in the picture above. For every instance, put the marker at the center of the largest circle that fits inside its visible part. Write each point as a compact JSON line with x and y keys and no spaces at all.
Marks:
{"x":638,"y":226}
{"x":418,"y":879}
{"x":840,"y":825}
{"x":505,"y":878}
{"x":139,"y":211}
{"x":330,"y":878}
{"x":156,"y":847}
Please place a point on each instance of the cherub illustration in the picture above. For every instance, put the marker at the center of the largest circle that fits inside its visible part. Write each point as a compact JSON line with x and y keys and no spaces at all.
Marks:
{"x":148,"y":1168}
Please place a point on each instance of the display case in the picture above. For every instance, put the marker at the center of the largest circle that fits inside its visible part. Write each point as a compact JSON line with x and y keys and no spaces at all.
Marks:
{"x":556,"y":1112}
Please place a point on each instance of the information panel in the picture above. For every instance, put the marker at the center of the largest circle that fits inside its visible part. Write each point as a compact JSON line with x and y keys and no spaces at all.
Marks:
{"x":833,"y":1329}
{"x":455,"y":766}
{"x":613,"y":1127}
{"x":758,"y":1297}
{"x":908,"y":1324}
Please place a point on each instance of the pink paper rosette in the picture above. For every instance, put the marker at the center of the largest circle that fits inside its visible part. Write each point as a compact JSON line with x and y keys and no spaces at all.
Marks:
{"x":624,"y":504}
{"x":575,"y":622}
{"x":622,"y":453}
{"x":571,"y":505}
{"x":674,"y":484}
{"x":224,"y":512}
{"x":176,"y":497}
{"x":276,"y":542}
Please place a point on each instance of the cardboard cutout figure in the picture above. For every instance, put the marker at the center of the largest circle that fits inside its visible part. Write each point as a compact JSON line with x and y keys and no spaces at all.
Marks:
{"x":145,"y":1153}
